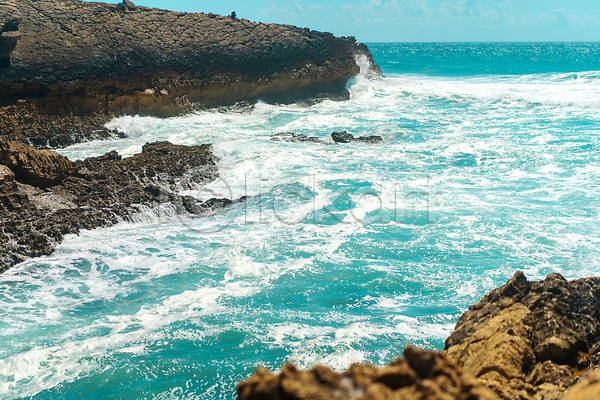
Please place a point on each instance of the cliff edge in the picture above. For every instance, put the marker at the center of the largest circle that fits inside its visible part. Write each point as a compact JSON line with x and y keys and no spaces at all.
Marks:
{"x":72,"y":59}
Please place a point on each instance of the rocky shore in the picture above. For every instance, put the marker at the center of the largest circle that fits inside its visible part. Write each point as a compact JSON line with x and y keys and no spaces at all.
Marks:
{"x":44,"y":196}
{"x":524,"y":340}
{"x":67,"y":66}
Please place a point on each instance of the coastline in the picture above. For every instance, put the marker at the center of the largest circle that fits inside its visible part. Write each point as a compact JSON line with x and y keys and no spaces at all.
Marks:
{"x":70,"y":66}
{"x":527,"y":340}
{"x":63,"y":76}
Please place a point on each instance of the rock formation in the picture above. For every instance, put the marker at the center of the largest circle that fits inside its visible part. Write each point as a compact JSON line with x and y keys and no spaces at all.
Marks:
{"x":345,"y":137}
{"x":527,"y":340}
{"x":76,"y":59}
{"x":338,"y":137}
{"x":522,"y":341}
{"x":293,"y":137}
{"x":10,"y":18}
{"x":44,"y":196}
{"x":419,"y":375}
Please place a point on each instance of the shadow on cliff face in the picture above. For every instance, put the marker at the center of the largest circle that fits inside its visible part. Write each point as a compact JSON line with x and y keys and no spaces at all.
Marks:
{"x":10,"y":18}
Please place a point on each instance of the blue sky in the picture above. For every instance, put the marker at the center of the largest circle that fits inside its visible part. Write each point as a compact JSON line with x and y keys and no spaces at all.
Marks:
{"x":418,"y":20}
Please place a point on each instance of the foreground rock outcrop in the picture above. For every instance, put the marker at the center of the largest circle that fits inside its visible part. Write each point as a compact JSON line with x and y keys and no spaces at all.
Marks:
{"x":419,"y":375}
{"x":529,"y":340}
{"x":44,"y":196}
{"x":77,"y":59}
{"x":522,"y":341}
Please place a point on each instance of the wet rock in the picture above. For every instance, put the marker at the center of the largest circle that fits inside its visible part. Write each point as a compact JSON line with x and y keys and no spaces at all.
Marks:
{"x":420,"y":375}
{"x":41,"y":168}
{"x":524,"y":339}
{"x":342,"y":137}
{"x":53,"y":196}
{"x":345,"y":137}
{"x":294,"y":138}
{"x":373,"y":139}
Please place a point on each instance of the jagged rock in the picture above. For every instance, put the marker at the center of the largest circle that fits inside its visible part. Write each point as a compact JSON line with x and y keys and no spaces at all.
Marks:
{"x":41,"y":168}
{"x":92,"y":193}
{"x":344,"y":137}
{"x":369,"y":139}
{"x":523,"y":339}
{"x":23,"y":122}
{"x":129,"y":5}
{"x":294,"y":138}
{"x":420,"y":375}
{"x":6,"y":175}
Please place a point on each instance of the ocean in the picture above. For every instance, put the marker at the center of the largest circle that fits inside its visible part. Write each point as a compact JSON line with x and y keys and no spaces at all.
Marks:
{"x":343,"y":253}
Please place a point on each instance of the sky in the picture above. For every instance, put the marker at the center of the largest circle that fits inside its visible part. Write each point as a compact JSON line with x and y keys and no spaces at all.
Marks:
{"x":417,"y":20}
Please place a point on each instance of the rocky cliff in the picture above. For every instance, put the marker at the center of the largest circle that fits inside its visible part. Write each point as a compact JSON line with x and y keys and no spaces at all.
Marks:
{"x":75,"y":59}
{"x":522,"y":341}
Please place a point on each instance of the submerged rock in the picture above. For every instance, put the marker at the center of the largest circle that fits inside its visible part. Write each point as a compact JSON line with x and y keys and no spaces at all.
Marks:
{"x":294,"y":138}
{"x":419,"y":375}
{"x":345,"y":137}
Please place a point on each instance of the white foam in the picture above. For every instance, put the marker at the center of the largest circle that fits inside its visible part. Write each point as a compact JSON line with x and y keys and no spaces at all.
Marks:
{"x":506,"y":188}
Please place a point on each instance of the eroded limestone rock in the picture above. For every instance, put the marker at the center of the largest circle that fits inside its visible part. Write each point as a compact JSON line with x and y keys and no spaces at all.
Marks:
{"x":419,"y":375}
{"x":42,"y":168}
{"x":76,"y":59}
{"x":52,"y":196}
{"x":524,"y":339}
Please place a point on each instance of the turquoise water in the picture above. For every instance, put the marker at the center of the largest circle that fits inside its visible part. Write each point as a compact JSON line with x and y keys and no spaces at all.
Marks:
{"x":344,"y":253}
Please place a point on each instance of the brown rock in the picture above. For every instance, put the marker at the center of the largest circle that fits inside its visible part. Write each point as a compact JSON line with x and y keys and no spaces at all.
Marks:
{"x":523,"y":339}
{"x":6,"y":175}
{"x":78,"y":59}
{"x":587,"y":389}
{"x":103,"y":191}
{"x":499,"y":344}
{"x":41,"y":168}
{"x":420,"y":375}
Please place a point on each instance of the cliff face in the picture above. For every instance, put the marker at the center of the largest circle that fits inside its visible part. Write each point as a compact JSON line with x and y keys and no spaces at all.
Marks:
{"x":67,"y":57}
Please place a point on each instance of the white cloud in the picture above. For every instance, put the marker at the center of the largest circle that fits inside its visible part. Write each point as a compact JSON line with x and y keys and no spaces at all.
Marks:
{"x":383,"y":8}
{"x":463,"y":8}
